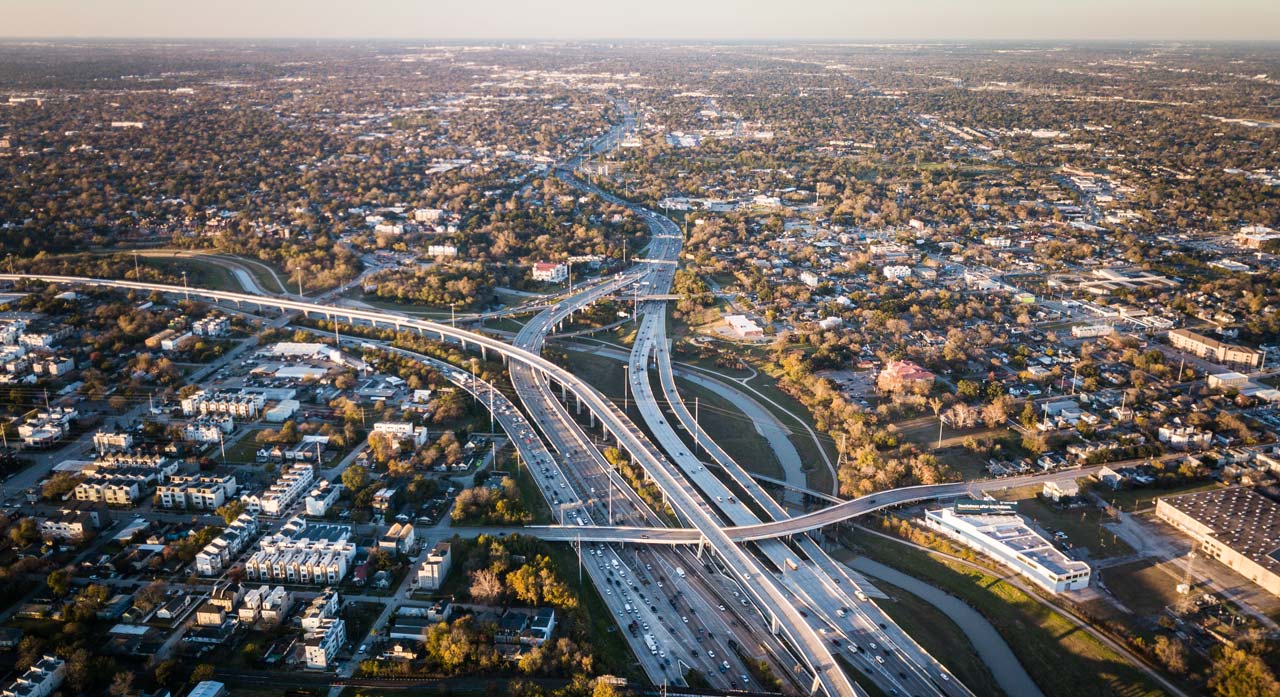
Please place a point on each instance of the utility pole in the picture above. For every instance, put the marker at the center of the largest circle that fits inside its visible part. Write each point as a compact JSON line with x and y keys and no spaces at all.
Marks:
{"x":137,"y":274}
{"x":697,"y":431}
{"x":186,"y":289}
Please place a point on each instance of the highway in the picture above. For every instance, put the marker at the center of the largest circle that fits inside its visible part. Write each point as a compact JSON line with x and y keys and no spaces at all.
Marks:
{"x":696,"y":599}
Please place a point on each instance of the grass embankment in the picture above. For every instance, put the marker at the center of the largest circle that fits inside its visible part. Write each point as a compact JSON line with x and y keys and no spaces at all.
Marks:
{"x":200,"y":273}
{"x":941,"y":637}
{"x":1064,"y":660}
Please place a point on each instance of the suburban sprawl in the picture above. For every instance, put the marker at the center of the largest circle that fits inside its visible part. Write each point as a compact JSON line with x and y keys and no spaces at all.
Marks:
{"x":576,"y":369}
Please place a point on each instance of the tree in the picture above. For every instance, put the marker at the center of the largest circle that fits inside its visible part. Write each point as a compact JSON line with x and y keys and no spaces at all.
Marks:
{"x":202,"y":672}
{"x":122,"y":685}
{"x":59,"y":581}
{"x":355,"y":478}
{"x":1235,"y":673}
{"x":1172,"y":653}
{"x":486,"y":587}
{"x":231,"y":510}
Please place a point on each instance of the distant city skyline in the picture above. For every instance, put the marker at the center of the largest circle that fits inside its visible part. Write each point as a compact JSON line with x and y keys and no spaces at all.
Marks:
{"x":928,"y":20}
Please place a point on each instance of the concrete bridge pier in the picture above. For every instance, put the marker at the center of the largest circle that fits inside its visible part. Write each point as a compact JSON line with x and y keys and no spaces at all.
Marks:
{"x":817,"y":685}
{"x":774,"y":625}
{"x":484,"y":353}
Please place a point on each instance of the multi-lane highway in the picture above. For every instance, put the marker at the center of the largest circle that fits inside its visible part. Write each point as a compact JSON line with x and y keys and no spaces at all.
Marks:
{"x":585,"y":490}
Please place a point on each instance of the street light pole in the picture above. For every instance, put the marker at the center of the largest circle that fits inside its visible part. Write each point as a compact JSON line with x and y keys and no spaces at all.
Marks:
{"x":186,"y":289}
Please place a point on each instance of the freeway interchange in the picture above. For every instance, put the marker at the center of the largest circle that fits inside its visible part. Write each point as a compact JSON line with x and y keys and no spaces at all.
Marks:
{"x":728,"y":586}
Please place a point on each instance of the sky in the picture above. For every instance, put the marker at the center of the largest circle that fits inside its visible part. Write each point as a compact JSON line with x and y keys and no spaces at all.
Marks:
{"x":648,"y":19}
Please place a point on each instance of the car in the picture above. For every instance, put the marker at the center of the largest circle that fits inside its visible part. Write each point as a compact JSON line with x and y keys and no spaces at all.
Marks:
{"x":684,"y":619}
{"x":803,"y":613}
{"x":883,"y":625}
{"x":711,"y":653}
{"x":880,"y":660}
{"x":721,"y":608}
{"x":872,"y":645}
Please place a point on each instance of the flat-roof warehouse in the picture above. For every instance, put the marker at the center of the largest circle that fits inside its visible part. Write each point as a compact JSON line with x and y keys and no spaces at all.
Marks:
{"x":1237,"y":526}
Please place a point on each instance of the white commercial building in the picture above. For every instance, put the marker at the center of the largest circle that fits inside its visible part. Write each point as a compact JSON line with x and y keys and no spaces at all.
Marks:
{"x":1010,"y":541}
{"x":743,"y":327}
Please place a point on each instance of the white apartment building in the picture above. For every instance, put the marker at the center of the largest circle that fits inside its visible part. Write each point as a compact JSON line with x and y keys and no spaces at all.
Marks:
{"x":198,"y":492}
{"x":118,"y":490}
{"x":211,"y":326}
{"x":294,"y":481}
{"x":402,"y":431}
{"x":810,"y":279}
{"x":72,"y":526}
{"x":894,"y":272}
{"x":209,"y":428}
{"x":265,"y":603}
{"x":324,"y":495}
{"x":40,"y":680}
{"x":1007,"y":539}
{"x":303,"y":552}
{"x":1184,"y":437}
{"x":442,"y":250}
{"x":241,"y":405}
{"x":435,"y":567}
{"x":550,"y":272}
{"x":217,"y":554}
{"x":106,"y":442}
{"x":324,"y":631}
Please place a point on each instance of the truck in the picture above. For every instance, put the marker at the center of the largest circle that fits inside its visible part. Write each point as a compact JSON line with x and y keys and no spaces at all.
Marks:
{"x":653,"y":646}
{"x":791,"y":564}
{"x":680,"y":572}
{"x":861,"y":596}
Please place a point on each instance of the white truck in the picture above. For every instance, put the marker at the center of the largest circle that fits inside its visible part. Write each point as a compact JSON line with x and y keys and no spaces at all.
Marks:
{"x":680,"y":572}
{"x":653,"y":646}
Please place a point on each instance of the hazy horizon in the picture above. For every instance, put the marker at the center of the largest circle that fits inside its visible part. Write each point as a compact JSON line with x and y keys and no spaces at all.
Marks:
{"x":705,"y":20}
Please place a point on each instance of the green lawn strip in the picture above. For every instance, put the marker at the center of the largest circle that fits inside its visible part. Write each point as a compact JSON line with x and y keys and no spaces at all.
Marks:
{"x":862,"y":679}
{"x":1063,"y":659}
{"x":730,"y":429}
{"x":200,"y":274}
{"x":941,"y":637}
{"x":1130,"y":500}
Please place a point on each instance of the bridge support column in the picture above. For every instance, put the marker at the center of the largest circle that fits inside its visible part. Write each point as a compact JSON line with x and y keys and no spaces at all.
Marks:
{"x":774,"y":625}
{"x":702,"y":544}
{"x":564,"y":396}
{"x":484,"y":353}
{"x":579,"y":409}
{"x":817,"y":685}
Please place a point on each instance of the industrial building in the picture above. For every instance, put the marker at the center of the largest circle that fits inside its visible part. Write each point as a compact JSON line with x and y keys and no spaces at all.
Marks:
{"x":1237,"y":526}
{"x":1007,"y":538}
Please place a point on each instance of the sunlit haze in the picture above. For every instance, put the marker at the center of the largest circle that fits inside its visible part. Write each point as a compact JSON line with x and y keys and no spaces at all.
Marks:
{"x":700,"y":19}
